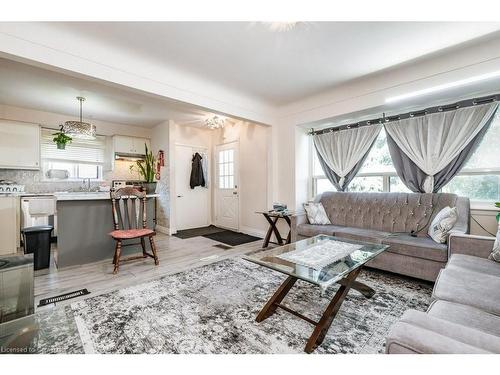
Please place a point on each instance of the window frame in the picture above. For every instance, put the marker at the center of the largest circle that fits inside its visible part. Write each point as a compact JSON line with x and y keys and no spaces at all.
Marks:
{"x":75,"y":163}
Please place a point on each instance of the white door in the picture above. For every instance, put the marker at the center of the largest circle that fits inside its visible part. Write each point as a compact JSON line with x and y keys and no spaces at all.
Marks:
{"x":191,"y":205}
{"x":227,"y":185}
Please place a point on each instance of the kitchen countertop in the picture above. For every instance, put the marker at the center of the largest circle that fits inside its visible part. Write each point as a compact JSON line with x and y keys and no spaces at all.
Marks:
{"x":71,"y":196}
{"x":84,"y":196}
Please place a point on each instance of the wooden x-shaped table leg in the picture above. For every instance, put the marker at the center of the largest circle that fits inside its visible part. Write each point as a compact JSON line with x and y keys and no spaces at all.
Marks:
{"x":321,"y":327}
{"x":272,"y":228}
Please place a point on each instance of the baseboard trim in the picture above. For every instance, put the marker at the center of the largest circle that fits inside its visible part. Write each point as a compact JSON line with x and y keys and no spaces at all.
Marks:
{"x":162,"y":229}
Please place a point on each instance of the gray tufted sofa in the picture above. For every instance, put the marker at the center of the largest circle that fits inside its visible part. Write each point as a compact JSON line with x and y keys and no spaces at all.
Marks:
{"x":389,"y":218}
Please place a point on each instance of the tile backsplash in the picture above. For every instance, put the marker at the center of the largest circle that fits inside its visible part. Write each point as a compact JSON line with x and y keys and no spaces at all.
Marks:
{"x":34,"y":182}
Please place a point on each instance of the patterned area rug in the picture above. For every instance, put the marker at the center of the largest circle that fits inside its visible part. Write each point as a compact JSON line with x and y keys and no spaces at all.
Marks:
{"x":212,"y":309}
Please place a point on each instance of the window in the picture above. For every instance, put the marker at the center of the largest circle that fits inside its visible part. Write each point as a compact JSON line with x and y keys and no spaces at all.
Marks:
{"x":479,"y":179}
{"x":82,"y":158}
{"x":367,"y":184}
{"x":226,"y":169}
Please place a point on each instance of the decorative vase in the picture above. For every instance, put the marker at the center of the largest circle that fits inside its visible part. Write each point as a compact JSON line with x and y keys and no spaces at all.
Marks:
{"x":150,"y":187}
{"x":61,"y":146}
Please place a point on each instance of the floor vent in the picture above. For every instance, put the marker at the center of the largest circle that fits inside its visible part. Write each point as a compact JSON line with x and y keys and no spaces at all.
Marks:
{"x":63,"y":297}
{"x":223,"y":247}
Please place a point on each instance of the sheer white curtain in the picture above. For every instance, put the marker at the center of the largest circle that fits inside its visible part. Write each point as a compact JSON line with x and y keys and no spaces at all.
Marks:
{"x":433,"y":141}
{"x":341,"y":150}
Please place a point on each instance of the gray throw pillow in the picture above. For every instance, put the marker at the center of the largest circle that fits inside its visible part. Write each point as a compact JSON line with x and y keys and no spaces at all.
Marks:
{"x":316,"y":214}
{"x":495,"y":253}
{"x":442,"y":224}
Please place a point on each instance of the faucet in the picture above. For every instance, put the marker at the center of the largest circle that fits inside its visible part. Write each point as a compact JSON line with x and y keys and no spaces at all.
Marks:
{"x":88,"y":183}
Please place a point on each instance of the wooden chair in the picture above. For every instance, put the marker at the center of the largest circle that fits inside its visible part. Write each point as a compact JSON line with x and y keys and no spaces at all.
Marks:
{"x":129,"y":207}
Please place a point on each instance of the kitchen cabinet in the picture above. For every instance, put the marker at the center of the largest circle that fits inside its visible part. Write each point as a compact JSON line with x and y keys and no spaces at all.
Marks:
{"x":19,"y":145}
{"x":129,"y":145}
{"x":9,"y":224}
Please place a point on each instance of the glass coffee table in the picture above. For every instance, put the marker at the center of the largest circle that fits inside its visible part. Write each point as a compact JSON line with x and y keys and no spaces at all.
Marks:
{"x":323,"y":261}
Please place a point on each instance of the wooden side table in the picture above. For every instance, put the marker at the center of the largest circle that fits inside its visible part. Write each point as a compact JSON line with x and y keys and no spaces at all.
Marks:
{"x":272,"y":218}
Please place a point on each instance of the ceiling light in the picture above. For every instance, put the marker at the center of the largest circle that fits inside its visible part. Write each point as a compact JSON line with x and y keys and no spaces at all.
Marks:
{"x":80,"y":129}
{"x":215,"y":122}
{"x":443,"y":87}
{"x":281,"y":26}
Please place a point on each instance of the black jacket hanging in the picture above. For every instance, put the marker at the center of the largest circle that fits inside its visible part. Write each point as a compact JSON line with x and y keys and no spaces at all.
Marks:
{"x":197,"y":178}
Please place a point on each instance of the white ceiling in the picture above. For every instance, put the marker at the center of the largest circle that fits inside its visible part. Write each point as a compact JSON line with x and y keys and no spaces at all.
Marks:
{"x":32,"y":87}
{"x":280,"y":67}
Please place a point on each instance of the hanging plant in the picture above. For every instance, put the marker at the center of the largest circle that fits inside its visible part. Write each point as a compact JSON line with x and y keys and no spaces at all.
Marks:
{"x":61,"y":139}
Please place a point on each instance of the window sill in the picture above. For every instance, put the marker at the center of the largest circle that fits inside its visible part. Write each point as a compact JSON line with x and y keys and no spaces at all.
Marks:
{"x":483,"y":206}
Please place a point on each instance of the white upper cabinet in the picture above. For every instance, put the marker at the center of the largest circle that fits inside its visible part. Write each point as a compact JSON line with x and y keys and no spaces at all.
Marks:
{"x":19,"y":145}
{"x":129,"y":145}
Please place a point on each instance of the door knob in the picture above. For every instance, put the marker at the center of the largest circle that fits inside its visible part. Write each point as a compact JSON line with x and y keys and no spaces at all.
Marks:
{"x":179,"y":196}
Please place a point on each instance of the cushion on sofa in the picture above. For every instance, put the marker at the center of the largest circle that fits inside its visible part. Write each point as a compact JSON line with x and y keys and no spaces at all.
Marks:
{"x":316,"y":213}
{"x":360,"y":234}
{"x":470,"y":288}
{"x":420,"y":333}
{"x":442,"y":224}
{"x":476,"y":264}
{"x":419,"y":247}
{"x":466,"y":315}
{"x":310,"y":230}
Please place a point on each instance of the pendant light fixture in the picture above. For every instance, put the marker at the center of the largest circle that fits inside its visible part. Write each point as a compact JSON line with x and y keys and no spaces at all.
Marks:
{"x":80,"y":129}
{"x":214,"y":122}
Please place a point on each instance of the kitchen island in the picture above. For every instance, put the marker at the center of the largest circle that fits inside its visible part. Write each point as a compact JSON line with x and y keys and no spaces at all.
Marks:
{"x":83,"y":223}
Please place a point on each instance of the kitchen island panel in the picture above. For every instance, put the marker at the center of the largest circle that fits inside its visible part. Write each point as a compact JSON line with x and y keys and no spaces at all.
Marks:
{"x":83,"y":227}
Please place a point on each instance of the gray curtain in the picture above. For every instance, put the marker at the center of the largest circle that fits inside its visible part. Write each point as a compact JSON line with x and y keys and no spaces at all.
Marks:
{"x":335,"y":178}
{"x":413,"y":177}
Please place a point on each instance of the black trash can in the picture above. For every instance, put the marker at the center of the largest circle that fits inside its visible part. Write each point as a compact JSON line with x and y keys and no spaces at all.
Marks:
{"x":37,"y":240}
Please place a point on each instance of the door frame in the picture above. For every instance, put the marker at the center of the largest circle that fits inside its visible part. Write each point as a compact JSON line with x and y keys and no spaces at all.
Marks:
{"x":173,"y":187}
{"x":216,"y":182}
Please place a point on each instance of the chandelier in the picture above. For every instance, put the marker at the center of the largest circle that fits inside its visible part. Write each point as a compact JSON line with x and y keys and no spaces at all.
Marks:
{"x":80,"y":129}
{"x":215,"y":122}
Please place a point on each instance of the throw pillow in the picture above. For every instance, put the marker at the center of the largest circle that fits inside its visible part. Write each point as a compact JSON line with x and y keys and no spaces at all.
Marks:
{"x":442,"y":224}
{"x":316,"y":214}
{"x":495,"y":253}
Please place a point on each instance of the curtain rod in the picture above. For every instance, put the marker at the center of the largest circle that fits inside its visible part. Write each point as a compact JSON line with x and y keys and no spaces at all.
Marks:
{"x":383,"y":120}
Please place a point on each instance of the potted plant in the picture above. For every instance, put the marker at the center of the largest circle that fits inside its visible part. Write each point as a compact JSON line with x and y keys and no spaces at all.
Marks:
{"x":497,"y":204}
{"x":61,"y":139}
{"x":146,"y":169}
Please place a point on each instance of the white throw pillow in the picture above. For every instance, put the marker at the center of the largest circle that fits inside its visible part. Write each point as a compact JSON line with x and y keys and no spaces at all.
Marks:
{"x":495,"y":253}
{"x":316,"y":214}
{"x":442,"y":224}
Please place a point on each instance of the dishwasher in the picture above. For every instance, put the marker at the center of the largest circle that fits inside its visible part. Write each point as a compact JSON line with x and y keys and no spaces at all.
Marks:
{"x":46,"y":217}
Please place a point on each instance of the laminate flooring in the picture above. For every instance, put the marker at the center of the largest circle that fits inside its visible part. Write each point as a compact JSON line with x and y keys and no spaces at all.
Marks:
{"x":175,"y":255}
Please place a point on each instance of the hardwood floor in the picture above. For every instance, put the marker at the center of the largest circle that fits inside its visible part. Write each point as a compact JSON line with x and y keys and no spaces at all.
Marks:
{"x":175,"y":255}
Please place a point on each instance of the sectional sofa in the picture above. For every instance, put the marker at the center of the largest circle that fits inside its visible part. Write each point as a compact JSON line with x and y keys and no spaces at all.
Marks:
{"x":464,"y":316}
{"x":390,"y":218}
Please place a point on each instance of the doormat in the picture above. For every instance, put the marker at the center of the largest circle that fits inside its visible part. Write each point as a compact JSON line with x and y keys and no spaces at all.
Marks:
{"x":63,"y":297}
{"x":196,"y":232}
{"x":231,"y":238}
